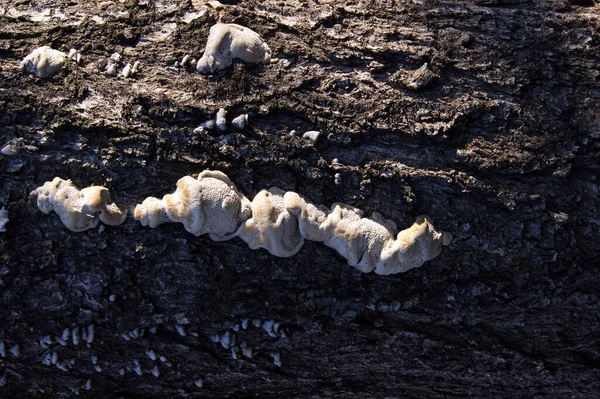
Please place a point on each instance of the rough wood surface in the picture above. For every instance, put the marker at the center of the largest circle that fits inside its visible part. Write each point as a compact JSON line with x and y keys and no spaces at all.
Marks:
{"x":482,"y":114}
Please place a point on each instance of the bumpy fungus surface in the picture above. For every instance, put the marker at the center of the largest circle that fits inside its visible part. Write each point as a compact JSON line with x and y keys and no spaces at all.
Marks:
{"x":79,"y":210}
{"x":281,"y":221}
{"x":43,"y":62}
{"x":212,"y":205}
{"x":227,"y":42}
{"x":271,"y":226}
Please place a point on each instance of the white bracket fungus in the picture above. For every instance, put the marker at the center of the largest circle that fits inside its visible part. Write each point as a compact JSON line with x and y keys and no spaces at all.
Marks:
{"x":271,"y":226}
{"x":368,"y":244}
{"x":43,"y":62}
{"x":212,"y":205}
{"x":79,"y":210}
{"x":227,"y":42}
{"x":281,"y":221}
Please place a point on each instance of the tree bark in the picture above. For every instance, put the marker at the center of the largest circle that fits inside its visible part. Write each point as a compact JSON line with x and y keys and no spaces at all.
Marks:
{"x":481,"y":114}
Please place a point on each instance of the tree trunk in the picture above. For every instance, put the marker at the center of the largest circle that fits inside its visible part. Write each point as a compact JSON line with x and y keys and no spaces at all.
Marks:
{"x":482,"y":114}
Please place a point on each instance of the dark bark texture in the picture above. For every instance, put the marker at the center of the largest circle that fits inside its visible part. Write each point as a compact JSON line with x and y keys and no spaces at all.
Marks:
{"x":482,"y":114}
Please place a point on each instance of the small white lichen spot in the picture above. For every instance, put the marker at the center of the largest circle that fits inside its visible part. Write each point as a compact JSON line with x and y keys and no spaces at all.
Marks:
{"x":240,"y":122}
{"x":9,"y":150}
{"x":137,"y":67}
{"x":180,"y":329}
{"x":268,"y":326}
{"x":3,"y":219}
{"x":111,"y":70}
{"x":2,"y":349}
{"x":256,"y":323}
{"x":121,"y":371}
{"x":15,"y":350}
{"x":94,"y":359}
{"x":112,"y":298}
{"x":337,"y":179}
{"x":138,"y":370}
{"x":162,"y":358}
{"x":127,"y":73}
{"x":151,"y":354}
{"x":65,"y":334}
{"x":43,"y":62}
{"x":245,"y":324}
{"x":185,"y":61}
{"x":153,"y":330}
{"x":226,"y":339}
{"x":47,"y":359}
{"x":3,"y":380}
{"x":234,"y":352}
{"x":98,"y":368}
{"x":54,"y":358}
{"x":88,"y":385}
{"x":155,"y":371}
{"x":221,"y":119}
{"x":75,"y":335}
{"x":247,"y":352}
{"x":312,"y":135}
{"x":90,"y":334}
{"x":209,"y":124}
{"x":198,"y":382}
{"x":45,"y":341}
{"x":276,"y":359}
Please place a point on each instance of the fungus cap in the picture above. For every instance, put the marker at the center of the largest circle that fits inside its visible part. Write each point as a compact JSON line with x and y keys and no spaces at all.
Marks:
{"x":227,"y":42}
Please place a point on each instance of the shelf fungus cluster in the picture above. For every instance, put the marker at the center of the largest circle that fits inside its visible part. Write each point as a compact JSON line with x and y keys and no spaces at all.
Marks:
{"x":79,"y":210}
{"x":280,"y":222}
{"x":275,"y":220}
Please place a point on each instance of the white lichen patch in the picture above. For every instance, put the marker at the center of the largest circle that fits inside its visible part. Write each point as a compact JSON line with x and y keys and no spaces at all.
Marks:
{"x":79,"y":210}
{"x":15,"y":350}
{"x":227,"y":42}
{"x":43,"y":62}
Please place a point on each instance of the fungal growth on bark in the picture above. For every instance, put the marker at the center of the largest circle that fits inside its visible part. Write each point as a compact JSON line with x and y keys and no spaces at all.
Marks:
{"x":211,"y":205}
{"x":369,"y":244}
{"x":79,"y":210}
{"x":271,"y":226}
{"x":281,"y":221}
{"x":43,"y":62}
{"x":227,"y":42}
